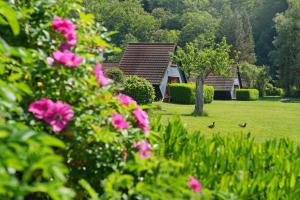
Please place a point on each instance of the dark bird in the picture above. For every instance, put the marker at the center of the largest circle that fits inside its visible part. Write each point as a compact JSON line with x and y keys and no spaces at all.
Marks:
{"x":243,"y":125}
{"x":212,"y":125}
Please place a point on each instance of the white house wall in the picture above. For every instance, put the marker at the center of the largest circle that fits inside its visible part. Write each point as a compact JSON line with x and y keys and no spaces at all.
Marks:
{"x":171,"y":71}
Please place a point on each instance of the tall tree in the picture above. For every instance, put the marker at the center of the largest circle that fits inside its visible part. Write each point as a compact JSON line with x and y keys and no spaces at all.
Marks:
{"x":199,"y":64}
{"x":238,"y":31}
{"x":263,"y":29}
{"x":287,"y":45}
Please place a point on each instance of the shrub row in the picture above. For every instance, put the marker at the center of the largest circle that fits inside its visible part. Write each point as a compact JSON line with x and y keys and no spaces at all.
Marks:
{"x":184,"y":93}
{"x":247,"y":94}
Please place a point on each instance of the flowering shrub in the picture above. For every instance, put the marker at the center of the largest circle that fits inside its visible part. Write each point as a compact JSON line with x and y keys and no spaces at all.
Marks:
{"x":106,"y":134}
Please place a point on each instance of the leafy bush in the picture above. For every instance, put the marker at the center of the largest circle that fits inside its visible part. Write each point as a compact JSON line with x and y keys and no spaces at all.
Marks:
{"x":139,"y":89}
{"x":273,"y":91}
{"x":184,"y":93}
{"x":271,"y":167}
{"x":29,"y":166}
{"x":115,"y":74}
{"x":247,"y":94}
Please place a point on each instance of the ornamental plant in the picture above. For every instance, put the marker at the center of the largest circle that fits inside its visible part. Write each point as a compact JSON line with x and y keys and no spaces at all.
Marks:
{"x":104,"y":132}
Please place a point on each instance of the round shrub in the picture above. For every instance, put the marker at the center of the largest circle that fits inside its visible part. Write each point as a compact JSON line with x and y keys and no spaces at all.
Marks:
{"x":184,"y":93}
{"x":139,"y":89}
{"x":115,"y":74}
{"x":247,"y":94}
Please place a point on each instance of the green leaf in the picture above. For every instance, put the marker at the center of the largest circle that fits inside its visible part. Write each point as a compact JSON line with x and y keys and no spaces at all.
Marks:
{"x":293,"y":181}
{"x":93,"y":194}
{"x":51,"y":141}
{"x":11,"y":16}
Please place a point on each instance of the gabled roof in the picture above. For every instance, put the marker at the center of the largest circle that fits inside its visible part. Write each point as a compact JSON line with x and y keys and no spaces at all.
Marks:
{"x":221,"y":83}
{"x":148,"y":60}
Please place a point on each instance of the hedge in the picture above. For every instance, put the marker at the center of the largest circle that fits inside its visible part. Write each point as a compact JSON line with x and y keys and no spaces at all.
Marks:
{"x":247,"y":94}
{"x":184,"y":93}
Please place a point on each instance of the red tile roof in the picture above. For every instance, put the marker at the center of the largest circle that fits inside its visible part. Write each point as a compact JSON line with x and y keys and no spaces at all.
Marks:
{"x":148,"y":60}
{"x":221,"y":83}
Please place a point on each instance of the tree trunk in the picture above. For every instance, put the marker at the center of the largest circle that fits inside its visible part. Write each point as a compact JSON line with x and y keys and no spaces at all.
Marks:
{"x":199,"y":96}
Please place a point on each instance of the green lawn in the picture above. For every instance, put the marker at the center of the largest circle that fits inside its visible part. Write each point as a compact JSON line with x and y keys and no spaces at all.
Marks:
{"x":266,"y":118}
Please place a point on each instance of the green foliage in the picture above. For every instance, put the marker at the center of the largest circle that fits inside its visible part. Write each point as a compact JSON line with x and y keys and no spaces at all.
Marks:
{"x":184,"y":93}
{"x":247,"y":94}
{"x":29,"y":166}
{"x":286,"y":54}
{"x":198,"y":64}
{"x":115,"y":74}
{"x":255,"y":76}
{"x":139,"y":89}
{"x":273,"y":91}
{"x":271,"y":167}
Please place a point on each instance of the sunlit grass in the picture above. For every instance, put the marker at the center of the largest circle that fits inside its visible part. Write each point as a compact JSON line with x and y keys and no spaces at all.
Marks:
{"x":266,"y":119}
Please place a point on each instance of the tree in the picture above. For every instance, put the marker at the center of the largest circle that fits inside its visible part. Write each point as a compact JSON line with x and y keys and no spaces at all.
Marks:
{"x":237,"y":29}
{"x":198,"y":27}
{"x":287,"y":45}
{"x":199,"y":64}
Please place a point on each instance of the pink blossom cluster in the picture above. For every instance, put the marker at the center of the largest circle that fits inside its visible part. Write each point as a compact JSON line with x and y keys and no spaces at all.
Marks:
{"x":119,"y":122}
{"x":126,"y":100}
{"x":142,"y":119}
{"x":64,"y":55}
{"x":141,"y":116}
{"x":68,"y":29}
{"x":98,"y":72}
{"x":194,"y":184}
{"x":67,"y":58}
{"x":56,"y":114}
{"x":144,"y":148}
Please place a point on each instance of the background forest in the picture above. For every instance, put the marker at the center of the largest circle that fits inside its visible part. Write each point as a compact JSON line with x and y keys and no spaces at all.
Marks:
{"x":261,"y":32}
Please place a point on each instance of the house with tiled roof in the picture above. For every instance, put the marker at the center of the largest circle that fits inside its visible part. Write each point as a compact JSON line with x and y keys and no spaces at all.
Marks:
{"x":225,"y":87}
{"x":152,"y":62}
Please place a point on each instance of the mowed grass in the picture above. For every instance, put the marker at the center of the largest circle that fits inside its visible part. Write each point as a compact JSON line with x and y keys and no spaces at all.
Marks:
{"x":266,"y":119}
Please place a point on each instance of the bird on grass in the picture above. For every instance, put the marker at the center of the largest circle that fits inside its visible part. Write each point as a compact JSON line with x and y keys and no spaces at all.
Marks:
{"x":212,"y":125}
{"x":243,"y":125}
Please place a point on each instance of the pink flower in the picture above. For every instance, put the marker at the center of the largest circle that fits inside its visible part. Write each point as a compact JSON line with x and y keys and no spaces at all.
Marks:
{"x":63,"y":25}
{"x":59,"y":116}
{"x":142,"y":119}
{"x":65,"y":46}
{"x":119,"y":122}
{"x":144,"y":148}
{"x":67,"y":28}
{"x":194,"y":184}
{"x":55,"y":114}
{"x":40,"y":108}
{"x":71,"y":38}
{"x":67,"y":58}
{"x":103,"y":81}
{"x":126,"y":100}
{"x":50,"y":61}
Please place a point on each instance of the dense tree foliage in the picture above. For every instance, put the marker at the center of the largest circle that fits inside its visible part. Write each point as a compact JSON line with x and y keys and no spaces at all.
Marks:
{"x":287,"y":46}
{"x":248,"y":26}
